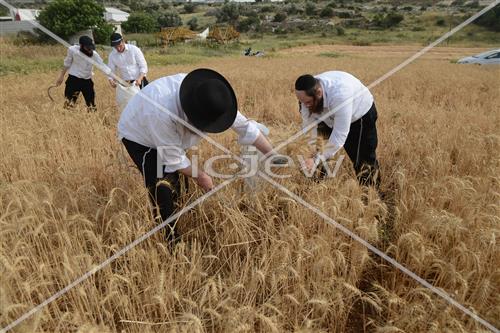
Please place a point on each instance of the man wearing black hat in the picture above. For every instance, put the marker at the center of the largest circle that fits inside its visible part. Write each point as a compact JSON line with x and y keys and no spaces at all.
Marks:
{"x":156,"y":140}
{"x":80,"y":72}
{"x":129,"y":60}
{"x":351,"y":122}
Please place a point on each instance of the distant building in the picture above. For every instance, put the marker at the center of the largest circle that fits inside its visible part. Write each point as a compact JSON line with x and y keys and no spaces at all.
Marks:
{"x":115,"y":17}
{"x":18,"y":21}
{"x":24,"y":14}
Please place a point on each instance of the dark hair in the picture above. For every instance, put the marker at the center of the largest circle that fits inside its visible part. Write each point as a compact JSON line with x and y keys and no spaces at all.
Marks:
{"x":307,"y":83}
{"x":312,"y":91}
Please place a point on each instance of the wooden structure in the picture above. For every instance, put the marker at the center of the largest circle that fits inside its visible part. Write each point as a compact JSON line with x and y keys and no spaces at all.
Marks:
{"x":223,"y":34}
{"x":217,"y":34}
{"x":176,"y":34}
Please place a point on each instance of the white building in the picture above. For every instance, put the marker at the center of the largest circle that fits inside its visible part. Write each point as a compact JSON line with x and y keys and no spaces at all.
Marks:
{"x":24,"y":14}
{"x":115,"y":17}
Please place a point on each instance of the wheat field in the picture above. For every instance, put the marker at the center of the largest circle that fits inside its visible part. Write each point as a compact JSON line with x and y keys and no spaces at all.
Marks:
{"x":70,"y":198}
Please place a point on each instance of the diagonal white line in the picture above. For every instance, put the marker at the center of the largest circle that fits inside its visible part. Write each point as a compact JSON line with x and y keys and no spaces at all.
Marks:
{"x":114,"y":257}
{"x":106,"y":71}
{"x":381,"y":254}
{"x":329,"y":220}
{"x":385,"y":76}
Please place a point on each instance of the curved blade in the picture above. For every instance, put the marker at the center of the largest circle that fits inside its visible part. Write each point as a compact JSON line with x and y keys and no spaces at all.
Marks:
{"x":48,"y":92}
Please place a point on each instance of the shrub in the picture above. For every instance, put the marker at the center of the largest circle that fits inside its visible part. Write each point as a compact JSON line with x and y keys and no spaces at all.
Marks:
{"x":388,"y":21}
{"x":189,"y":7}
{"x":279,"y":17}
{"x":292,"y":9}
{"x":139,"y":23}
{"x":310,"y":9}
{"x":266,"y":9}
{"x":440,"y":22}
{"x":169,"y":19}
{"x":249,"y":23}
{"x":326,"y":12}
{"x":229,"y":12}
{"x":193,"y":23}
{"x":490,"y":19}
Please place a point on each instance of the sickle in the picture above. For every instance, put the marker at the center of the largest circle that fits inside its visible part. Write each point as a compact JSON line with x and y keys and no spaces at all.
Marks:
{"x":48,"y":92}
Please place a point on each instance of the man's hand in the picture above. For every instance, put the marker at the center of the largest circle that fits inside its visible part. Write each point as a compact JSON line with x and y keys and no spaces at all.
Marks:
{"x":112,"y":83}
{"x":205,"y":182}
{"x":59,"y":80}
{"x":309,"y":164}
{"x":138,"y":82}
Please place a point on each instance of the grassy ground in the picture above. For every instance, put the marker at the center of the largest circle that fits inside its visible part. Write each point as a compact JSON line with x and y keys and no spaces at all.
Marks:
{"x":193,"y":53}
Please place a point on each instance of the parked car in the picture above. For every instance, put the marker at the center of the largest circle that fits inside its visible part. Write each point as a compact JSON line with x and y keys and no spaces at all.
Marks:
{"x":491,"y":57}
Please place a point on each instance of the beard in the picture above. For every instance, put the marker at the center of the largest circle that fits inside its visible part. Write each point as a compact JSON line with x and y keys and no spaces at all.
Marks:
{"x":88,"y":53}
{"x":317,"y":105}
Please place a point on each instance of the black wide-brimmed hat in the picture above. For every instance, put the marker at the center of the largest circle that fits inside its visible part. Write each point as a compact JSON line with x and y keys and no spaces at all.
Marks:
{"x":87,"y":41}
{"x":208,"y":100}
{"x":116,"y":39}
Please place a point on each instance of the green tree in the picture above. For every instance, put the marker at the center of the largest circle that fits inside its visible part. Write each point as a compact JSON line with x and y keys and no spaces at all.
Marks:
{"x":140,"y":22}
{"x":249,"y":23}
{"x":326,"y":12}
{"x":279,"y":17}
{"x":310,"y":9}
{"x":229,"y":12}
{"x":490,"y":19}
{"x":67,"y":17}
{"x":169,"y":19}
{"x":388,"y":21}
{"x":193,"y":23}
{"x":189,"y":7}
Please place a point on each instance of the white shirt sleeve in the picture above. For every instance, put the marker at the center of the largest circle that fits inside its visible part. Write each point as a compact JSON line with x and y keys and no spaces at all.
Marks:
{"x":141,"y":61}
{"x":111,"y":64}
{"x":247,"y":130}
{"x":168,"y":143}
{"x":306,"y":120}
{"x":341,"y":126}
{"x":69,"y":59}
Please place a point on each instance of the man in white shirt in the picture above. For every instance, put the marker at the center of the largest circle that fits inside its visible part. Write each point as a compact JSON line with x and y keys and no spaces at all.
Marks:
{"x":351,"y":123}
{"x":129,"y":61}
{"x":80,"y":73}
{"x":156,"y":141}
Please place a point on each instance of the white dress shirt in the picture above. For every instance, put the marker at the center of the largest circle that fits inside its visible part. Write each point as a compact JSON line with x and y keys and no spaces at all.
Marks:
{"x":347,"y":99}
{"x":131,"y":62}
{"x":78,"y":65}
{"x":144,"y":123}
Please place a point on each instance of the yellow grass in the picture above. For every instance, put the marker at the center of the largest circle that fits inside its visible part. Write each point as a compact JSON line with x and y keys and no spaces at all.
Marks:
{"x":70,"y":198}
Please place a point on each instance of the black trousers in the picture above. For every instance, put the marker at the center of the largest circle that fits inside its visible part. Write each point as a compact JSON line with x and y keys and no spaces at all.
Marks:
{"x":75,"y":85}
{"x":361,"y":146}
{"x":144,"y":82}
{"x":164,"y":191}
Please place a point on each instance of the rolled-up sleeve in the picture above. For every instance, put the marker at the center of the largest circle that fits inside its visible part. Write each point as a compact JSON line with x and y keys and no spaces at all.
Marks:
{"x":247,"y":130}
{"x":168,"y":143}
{"x":341,"y":127}
{"x":69,"y":59}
